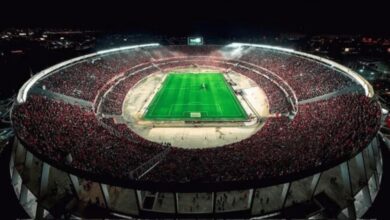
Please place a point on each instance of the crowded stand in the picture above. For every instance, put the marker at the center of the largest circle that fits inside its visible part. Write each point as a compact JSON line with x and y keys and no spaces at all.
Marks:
{"x":52,"y":129}
{"x":278,"y":101}
{"x":84,"y":79}
{"x":89,"y":80}
{"x":307,"y":78}
{"x":321,"y":132}
{"x":112,"y":102}
{"x":124,"y":131}
{"x":161,"y":53}
{"x":210,"y":50}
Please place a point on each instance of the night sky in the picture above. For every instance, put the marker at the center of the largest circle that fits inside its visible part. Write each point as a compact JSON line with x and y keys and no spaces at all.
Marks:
{"x":191,"y":16}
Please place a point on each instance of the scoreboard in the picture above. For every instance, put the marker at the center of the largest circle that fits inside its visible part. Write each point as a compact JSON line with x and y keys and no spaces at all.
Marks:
{"x":195,"y":41}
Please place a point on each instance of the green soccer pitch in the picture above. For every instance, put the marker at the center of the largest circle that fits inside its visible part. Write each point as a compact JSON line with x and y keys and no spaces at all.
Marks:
{"x":195,"y":97}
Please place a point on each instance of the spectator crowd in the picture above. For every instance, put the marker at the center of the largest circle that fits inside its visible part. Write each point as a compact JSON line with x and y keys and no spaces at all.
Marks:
{"x":320,"y":133}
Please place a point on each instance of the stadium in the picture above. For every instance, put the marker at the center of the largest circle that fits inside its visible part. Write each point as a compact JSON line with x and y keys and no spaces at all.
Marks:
{"x":237,"y":130}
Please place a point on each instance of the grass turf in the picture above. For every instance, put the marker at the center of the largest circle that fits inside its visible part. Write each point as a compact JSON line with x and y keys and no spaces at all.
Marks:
{"x":195,"y":97}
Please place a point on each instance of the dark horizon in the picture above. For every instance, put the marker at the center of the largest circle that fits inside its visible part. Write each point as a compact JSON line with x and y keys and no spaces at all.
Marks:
{"x":197,"y":17}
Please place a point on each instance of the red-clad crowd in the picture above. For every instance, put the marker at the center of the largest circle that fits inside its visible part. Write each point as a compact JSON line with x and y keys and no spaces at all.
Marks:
{"x":84,"y":79}
{"x":320,"y":133}
{"x":56,"y":129}
{"x":308,"y":78}
{"x":278,"y":100}
{"x":89,"y":79}
{"x":112,"y":102}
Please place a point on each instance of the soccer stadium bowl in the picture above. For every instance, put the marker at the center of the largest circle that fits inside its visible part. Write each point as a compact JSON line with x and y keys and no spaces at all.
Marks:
{"x":94,"y":138}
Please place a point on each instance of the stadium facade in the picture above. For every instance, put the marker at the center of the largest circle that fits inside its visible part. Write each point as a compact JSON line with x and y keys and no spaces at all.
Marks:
{"x":316,"y":151}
